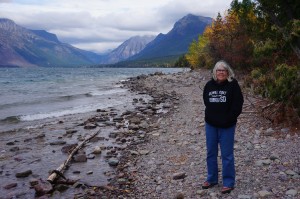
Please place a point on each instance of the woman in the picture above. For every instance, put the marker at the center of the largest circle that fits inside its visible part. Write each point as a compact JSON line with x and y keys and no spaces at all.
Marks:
{"x":223,"y":101}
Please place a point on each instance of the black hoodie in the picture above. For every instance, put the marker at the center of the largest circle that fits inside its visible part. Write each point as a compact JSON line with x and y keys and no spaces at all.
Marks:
{"x":223,"y":102}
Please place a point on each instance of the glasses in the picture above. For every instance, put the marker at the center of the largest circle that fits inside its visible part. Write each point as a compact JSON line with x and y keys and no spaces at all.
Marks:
{"x":220,"y":70}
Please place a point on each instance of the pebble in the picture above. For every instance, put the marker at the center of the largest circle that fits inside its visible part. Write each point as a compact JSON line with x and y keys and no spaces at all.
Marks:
{"x":264,"y":194}
{"x":11,"y":185}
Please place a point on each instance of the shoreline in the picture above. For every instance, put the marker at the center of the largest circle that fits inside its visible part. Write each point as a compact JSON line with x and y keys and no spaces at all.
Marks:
{"x":158,"y":148}
{"x":171,"y":163}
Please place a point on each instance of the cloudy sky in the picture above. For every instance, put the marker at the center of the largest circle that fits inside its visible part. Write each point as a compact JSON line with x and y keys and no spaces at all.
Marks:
{"x":102,"y":25}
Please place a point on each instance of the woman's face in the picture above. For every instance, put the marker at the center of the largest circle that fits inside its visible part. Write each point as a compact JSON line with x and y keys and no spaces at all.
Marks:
{"x":221,"y":74}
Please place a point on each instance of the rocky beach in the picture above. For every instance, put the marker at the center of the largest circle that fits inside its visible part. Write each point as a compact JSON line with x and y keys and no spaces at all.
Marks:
{"x":154,"y":149}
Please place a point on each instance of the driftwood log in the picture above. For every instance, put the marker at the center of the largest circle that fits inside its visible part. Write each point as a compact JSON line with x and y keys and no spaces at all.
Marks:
{"x":59,"y":171}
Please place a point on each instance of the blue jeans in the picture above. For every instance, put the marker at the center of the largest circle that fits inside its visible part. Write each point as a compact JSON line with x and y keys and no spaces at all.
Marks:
{"x":224,"y":137}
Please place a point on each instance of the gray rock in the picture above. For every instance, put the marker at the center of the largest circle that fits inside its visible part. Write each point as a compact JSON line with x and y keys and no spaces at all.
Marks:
{"x":90,"y":156}
{"x":118,"y":119}
{"x":11,"y":185}
{"x":134,"y":153}
{"x":58,"y":142}
{"x":263,"y":162}
{"x":33,"y":182}
{"x":113,"y":135}
{"x":97,"y":150}
{"x":80,"y":158}
{"x":264,"y":194}
{"x":90,"y":126}
{"x":291,"y":192}
{"x":113,"y":162}
{"x":10,"y":143}
{"x":178,"y":176}
{"x":144,"y":152}
{"x":179,"y":196}
{"x":43,"y":187}
{"x":290,"y":172}
{"x":244,"y":197}
{"x":14,"y":149}
{"x":23,"y":174}
{"x":71,"y":131}
{"x":61,"y":187}
{"x":269,"y":132}
{"x":68,"y":148}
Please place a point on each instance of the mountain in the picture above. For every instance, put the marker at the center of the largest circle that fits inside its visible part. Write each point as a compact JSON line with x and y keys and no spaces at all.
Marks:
{"x":27,"y":48}
{"x":127,"y":49}
{"x":176,"y":41}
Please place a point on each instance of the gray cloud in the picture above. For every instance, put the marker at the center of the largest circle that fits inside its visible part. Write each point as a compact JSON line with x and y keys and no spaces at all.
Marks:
{"x":5,"y":1}
{"x":104,"y":24}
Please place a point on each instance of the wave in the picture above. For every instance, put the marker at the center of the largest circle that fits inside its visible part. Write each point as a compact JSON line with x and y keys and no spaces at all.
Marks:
{"x":49,"y":100}
{"x":74,"y":110}
{"x":11,"y":119}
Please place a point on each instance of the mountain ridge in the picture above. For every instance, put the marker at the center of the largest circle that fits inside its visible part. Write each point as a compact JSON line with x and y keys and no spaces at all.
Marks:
{"x":177,"y":40}
{"x":128,"y":48}
{"x":32,"y":48}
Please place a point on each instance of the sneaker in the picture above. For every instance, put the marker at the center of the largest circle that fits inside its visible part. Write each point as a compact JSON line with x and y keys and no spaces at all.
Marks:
{"x":226,"y":189}
{"x":207,"y":185}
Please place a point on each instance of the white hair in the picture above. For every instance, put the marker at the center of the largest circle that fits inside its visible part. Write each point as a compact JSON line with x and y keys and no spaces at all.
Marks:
{"x":226,"y":66}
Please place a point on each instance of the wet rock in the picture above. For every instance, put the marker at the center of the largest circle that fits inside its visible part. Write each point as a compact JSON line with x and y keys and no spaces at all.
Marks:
{"x":33,"y":182}
{"x":135,"y":120}
{"x":71,"y":131}
{"x":27,"y":139}
{"x":90,"y":126}
{"x":133,"y":127}
{"x":61,"y":187}
{"x":80,"y":158}
{"x":113,"y":162}
{"x":109,"y":123}
{"x":42,"y":188}
{"x":68,"y":148}
{"x":11,"y":185}
{"x":90,"y":156}
{"x":23,"y":174}
{"x":10,"y":143}
{"x":97,"y":150}
{"x":42,"y":135}
{"x":118,"y":119}
{"x":113,"y":135}
{"x":89,"y":172}
{"x":96,"y":139}
{"x":14,"y":149}
{"x":58,"y":142}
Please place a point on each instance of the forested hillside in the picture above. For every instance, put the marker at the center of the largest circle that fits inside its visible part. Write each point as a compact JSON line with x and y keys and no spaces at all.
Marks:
{"x":261,"y":39}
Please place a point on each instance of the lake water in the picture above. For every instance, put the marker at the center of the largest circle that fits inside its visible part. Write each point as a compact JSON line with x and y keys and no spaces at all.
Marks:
{"x":28,"y":95}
